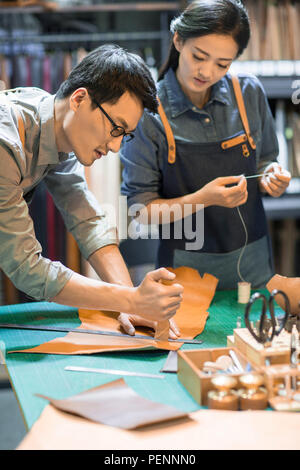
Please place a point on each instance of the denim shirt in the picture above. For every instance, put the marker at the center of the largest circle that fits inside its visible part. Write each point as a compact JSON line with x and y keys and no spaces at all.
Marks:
{"x":21,"y":169}
{"x":218,"y":120}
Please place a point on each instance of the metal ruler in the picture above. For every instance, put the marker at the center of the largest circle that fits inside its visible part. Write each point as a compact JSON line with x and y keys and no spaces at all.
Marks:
{"x":62,"y":329}
{"x":114,"y":372}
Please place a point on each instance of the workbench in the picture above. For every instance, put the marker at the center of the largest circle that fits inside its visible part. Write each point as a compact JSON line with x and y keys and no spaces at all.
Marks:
{"x":32,"y":374}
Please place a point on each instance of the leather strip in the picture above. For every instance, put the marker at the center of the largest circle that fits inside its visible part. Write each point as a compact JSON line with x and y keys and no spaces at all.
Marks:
{"x":168,"y":132}
{"x":227,"y":143}
{"x":21,"y":127}
{"x":242,"y":109}
{"x":233,"y":142}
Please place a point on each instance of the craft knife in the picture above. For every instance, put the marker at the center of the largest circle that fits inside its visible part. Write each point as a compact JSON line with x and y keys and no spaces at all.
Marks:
{"x":63,"y":329}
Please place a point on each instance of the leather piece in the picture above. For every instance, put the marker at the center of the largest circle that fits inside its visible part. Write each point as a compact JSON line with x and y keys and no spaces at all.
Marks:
{"x":162,"y":330}
{"x":291,"y":287}
{"x":205,"y":429}
{"x":116,"y":404}
{"x":169,"y":133}
{"x":190,"y":319}
{"x":242,"y":109}
{"x":226,"y":144}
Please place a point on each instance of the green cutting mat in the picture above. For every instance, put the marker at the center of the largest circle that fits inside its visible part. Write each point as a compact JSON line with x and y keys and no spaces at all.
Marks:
{"x":43,"y":373}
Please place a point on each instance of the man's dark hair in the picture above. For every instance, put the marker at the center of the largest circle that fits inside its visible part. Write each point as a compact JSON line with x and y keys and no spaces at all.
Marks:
{"x":109,"y":71}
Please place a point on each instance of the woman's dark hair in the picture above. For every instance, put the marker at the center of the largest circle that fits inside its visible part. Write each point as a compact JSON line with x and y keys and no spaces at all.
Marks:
{"x":109,"y":71}
{"x":203,"y":17}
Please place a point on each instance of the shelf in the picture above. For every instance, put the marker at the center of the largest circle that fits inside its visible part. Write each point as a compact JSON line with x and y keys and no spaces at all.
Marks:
{"x":268,"y":68}
{"x":279,"y":87}
{"x":84,"y":38}
{"x":103,"y":7}
{"x":284,"y":207}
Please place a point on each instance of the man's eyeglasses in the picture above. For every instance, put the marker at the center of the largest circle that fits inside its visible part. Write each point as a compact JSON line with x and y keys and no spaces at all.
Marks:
{"x":116,"y":131}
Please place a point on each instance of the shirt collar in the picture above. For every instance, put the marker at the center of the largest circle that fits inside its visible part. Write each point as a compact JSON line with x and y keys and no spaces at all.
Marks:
{"x":178,"y":101}
{"x":48,"y":154}
{"x":220,"y":91}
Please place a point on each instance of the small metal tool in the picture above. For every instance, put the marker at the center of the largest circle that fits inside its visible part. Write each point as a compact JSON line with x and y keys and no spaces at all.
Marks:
{"x":236,"y":361}
{"x":255,"y":176}
{"x":114,"y":372}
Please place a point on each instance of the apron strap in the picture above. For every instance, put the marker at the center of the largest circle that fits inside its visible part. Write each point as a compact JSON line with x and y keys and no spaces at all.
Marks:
{"x":169,"y":133}
{"x":242,"y":109}
{"x":226,"y":144}
{"x":21,"y":127}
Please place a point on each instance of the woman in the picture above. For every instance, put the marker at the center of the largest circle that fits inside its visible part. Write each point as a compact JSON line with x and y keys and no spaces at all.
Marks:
{"x":219,"y":136}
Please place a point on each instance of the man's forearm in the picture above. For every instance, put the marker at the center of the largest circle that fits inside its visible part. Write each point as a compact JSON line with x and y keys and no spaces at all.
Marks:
{"x":107,"y":294}
{"x":83,"y":292}
{"x":110,"y":265}
{"x":151,"y":299}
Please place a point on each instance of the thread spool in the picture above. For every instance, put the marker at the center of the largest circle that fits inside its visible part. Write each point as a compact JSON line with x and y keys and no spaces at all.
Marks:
{"x":244,"y":291}
{"x":224,"y":398}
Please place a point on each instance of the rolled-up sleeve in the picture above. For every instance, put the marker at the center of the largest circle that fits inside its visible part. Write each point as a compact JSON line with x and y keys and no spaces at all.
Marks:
{"x":20,"y":252}
{"x":84,"y":218}
{"x":141,"y":159}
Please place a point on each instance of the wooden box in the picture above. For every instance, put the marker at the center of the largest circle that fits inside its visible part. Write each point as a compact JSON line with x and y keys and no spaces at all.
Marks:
{"x":257,"y":354}
{"x":196,"y":382}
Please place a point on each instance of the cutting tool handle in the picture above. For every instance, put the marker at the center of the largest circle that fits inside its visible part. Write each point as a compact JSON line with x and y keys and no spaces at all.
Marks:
{"x":287,"y":310}
{"x":253,"y":299}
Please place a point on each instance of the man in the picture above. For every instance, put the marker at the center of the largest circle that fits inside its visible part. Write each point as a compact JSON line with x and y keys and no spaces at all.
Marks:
{"x":98,"y":105}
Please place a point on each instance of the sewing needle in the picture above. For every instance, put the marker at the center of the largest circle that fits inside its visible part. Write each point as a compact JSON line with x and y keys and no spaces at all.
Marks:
{"x":255,"y":176}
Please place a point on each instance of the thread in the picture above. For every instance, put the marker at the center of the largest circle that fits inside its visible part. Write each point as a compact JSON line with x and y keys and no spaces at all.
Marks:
{"x":244,"y":287}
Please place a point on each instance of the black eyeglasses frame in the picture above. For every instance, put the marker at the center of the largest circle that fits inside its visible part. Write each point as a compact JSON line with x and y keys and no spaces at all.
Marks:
{"x":116,"y":131}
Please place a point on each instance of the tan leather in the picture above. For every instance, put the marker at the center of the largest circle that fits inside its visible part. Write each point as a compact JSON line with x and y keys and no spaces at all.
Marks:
{"x":127,"y":409}
{"x":190,"y":319}
{"x":168,"y":132}
{"x":206,"y":429}
{"x":162,"y":330}
{"x":242,"y":109}
{"x":289,"y":285}
{"x":233,"y":142}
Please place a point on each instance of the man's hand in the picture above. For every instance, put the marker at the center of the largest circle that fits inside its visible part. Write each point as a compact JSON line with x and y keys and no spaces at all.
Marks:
{"x":217,"y":192}
{"x":275,"y":181}
{"x":155,"y":301}
{"x":128,"y":322}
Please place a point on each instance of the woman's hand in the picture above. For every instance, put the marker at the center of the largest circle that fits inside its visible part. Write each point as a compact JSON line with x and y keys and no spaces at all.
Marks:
{"x":275,"y":180}
{"x":217,"y":192}
{"x":128,"y":322}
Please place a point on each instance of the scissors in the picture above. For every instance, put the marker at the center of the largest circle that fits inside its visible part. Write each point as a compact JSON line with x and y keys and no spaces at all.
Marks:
{"x":268,"y":328}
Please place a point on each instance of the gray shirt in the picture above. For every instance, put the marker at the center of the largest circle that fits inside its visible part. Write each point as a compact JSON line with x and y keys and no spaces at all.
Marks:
{"x":21,"y":169}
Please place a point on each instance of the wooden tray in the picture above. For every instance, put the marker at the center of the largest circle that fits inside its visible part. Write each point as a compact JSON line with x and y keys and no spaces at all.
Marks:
{"x":256,"y":353}
{"x":196,"y":382}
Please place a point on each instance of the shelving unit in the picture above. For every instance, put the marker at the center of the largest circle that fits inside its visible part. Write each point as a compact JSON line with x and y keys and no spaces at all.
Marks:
{"x":161,"y":34}
{"x":277,"y":76}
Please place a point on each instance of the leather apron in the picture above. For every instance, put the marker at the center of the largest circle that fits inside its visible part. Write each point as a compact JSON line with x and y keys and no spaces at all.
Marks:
{"x":189,"y":167}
